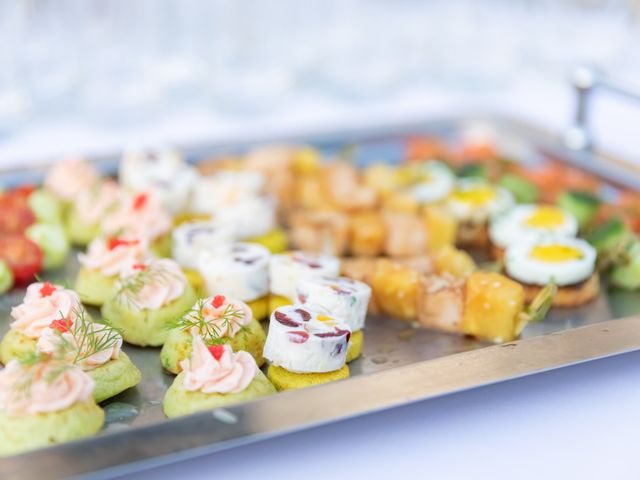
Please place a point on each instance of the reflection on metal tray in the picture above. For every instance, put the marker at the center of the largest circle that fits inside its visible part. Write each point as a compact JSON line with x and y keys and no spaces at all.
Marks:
{"x":400,"y":363}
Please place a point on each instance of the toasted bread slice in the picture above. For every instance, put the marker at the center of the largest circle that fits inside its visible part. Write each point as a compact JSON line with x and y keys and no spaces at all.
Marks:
{"x":472,"y":234}
{"x":569,"y":295}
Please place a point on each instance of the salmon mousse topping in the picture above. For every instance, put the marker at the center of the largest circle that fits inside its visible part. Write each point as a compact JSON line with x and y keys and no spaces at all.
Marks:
{"x":217,"y":368}
{"x":42,"y":304}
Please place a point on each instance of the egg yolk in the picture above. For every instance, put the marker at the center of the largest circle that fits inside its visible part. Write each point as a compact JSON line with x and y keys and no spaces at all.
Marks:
{"x":545,"y":217}
{"x":475,"y":196}
{"x":555,"y":253}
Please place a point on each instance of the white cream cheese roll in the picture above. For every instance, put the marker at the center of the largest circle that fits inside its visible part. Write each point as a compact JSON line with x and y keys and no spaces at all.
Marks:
{"x":306,"y":339}
{"x":252,"y":216}
{"x":286,"y":270}
{"x":216,"y":192}
{"x":162,"y":171}
{"x":343,"y":297}
{"x":236,"y":270}
{"x":192,"y":238}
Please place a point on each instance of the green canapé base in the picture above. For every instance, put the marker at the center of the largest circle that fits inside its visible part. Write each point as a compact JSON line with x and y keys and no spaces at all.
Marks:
{"x":94,"y":288}
{"x":114,"y":377}
{"x":147,"y":327}
{"x":283,"y":379}
{"x":80,"y":232}
{"x":29,"y":432}
{"x":16,"y":346}
{"x":178,"y":401}
{"x":178,"y":345}
{"x":356,"y":343}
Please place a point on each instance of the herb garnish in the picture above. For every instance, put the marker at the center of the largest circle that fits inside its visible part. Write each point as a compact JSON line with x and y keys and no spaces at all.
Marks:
{"x":212,"y":330}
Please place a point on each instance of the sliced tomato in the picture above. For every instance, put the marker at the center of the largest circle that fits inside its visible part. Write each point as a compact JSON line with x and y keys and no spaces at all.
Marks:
{"x":23,"y":257}
{"x":15,"y":215}
{"x":19,"y":195}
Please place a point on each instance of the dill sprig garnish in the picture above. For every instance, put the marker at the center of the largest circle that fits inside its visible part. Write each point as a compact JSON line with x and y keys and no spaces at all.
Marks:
{"x":130,"y":287}
{"x":86,"y":340}
{"x":212,"y":330}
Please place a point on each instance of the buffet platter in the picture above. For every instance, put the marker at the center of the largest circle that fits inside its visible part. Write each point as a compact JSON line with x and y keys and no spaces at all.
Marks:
{"x":400,"y":363}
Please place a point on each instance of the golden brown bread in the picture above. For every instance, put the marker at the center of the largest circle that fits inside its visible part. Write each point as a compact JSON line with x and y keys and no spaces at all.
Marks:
{"x":569,"y":295}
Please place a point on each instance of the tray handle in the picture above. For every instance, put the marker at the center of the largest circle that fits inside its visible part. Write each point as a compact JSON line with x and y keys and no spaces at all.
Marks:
{"x":587,"y":80}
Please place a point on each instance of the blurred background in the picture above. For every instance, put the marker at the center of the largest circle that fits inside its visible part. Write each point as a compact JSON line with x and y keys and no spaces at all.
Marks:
{"x":91,"y":76}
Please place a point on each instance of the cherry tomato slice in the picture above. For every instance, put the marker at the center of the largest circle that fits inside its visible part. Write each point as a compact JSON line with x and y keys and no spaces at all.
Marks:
{"x":19,"y":195}
{"x":15,"y":216}
{"x":23,"y":257}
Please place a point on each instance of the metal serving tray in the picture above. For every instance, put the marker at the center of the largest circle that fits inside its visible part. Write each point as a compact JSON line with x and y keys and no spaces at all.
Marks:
{"x":400,"y":363}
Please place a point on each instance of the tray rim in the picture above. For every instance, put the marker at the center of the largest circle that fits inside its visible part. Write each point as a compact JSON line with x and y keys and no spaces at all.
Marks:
{"x":394,"y":387}
{"x":76,"y":459}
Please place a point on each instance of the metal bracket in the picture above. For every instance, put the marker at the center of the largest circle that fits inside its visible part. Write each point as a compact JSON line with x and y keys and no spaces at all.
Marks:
{"x":586,"y":80}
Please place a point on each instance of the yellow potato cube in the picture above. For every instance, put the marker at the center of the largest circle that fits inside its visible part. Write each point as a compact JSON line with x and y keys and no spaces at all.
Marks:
{"x":367,"y":234}
{"x":493,"y":304}
{"x":401,"y":202}
{"x":381,"y":177}
{"x":395,"y":289}
{"x":453,"y":261}
{"x":441,"y":226}
{"x":309,"y":194}
{"x":306,"y":161}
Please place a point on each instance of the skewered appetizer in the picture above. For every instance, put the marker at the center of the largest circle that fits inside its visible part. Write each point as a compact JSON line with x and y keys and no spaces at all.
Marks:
{"x":306,"y":346}
{"x":320,"y":231}
{"x":275,"y":163}
{"x":214,"y":377}
{"x":240,"y":271}
{"x":44,"y":402}
{"x":390,"y":232}
{"x":95,"y":348}
{"x":344,"y":298}
{"x":486,"y":305}
{"x":217,"y":320}
{"x":103,"y":263}
{"x":286,"y":269}
{"x":529,"y":222}
{"x":163,"y":172}
{"x":150,"y":297}
{"x":43,"y":304}
{"x":568,"y":262}
{"x":141,"y":216}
